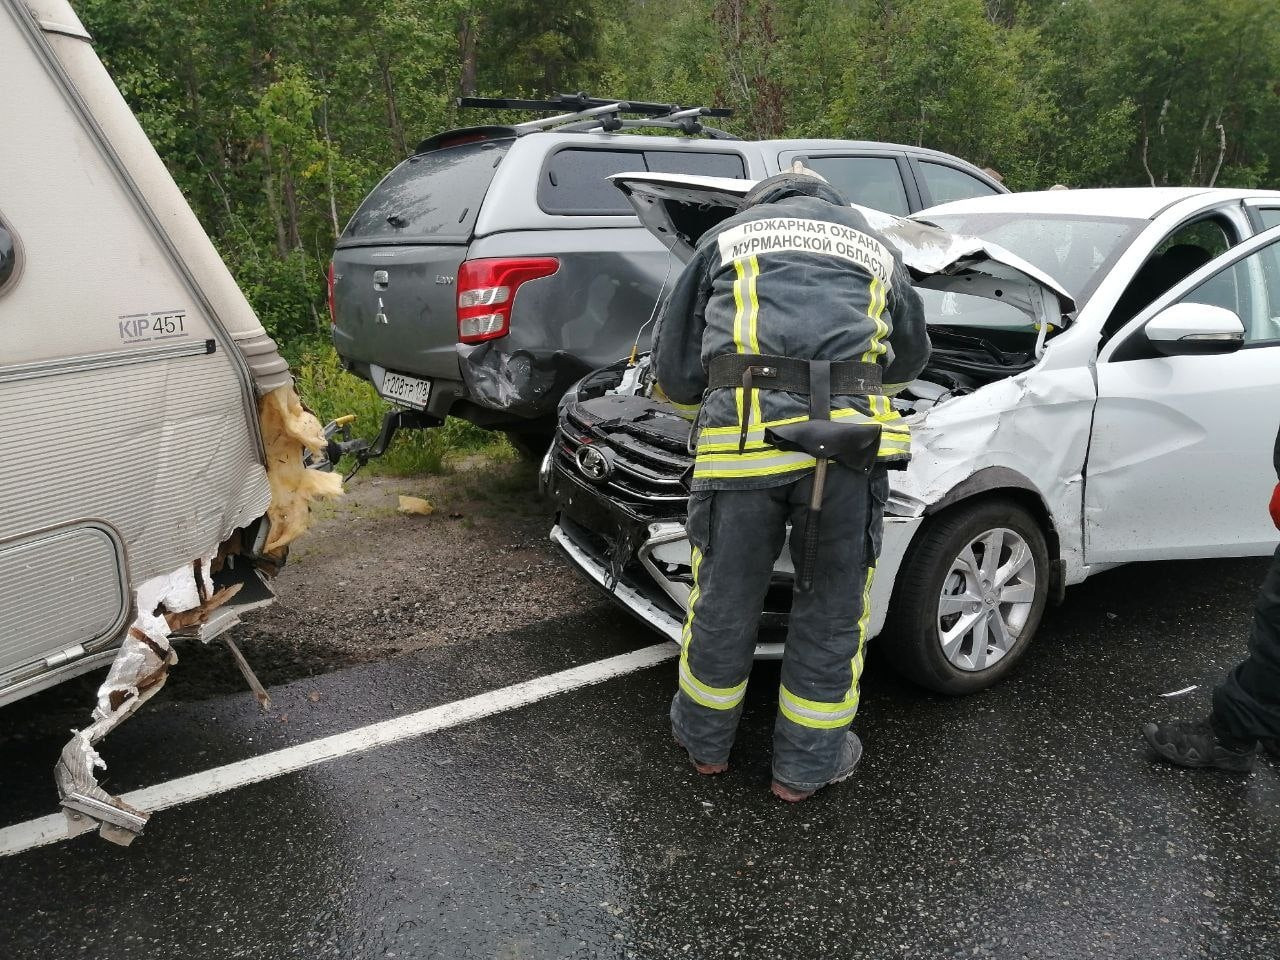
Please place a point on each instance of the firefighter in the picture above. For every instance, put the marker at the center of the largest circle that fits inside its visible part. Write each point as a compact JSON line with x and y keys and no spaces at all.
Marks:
{"x":796,"y":285}
{"x":1246,"y":705}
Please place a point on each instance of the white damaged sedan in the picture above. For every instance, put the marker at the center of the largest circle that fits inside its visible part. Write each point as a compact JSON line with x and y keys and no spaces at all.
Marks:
{"x":1105,"y":388}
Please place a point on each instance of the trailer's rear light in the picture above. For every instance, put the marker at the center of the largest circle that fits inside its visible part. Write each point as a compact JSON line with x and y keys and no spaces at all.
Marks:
{"x":487,"y":292}
{"x":333,"y":316}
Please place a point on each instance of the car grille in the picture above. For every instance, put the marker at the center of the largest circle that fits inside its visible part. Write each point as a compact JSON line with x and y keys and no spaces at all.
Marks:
{"x":647,"y":468}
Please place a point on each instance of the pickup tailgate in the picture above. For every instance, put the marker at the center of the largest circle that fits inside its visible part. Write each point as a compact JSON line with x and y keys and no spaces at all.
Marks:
{"x":395,"y":306}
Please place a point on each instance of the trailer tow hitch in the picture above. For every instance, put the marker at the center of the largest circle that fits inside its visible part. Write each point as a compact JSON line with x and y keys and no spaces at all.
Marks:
{"x":340,"y":443}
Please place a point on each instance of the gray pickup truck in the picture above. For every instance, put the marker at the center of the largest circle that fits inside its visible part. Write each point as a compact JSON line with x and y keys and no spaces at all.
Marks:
{"x":496,"y":266}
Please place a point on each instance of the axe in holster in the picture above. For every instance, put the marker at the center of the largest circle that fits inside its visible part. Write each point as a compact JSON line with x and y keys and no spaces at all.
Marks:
{"x":851,"y":444}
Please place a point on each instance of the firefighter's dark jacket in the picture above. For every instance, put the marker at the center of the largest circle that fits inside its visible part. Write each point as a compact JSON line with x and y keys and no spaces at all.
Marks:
{"x":798,"y":277}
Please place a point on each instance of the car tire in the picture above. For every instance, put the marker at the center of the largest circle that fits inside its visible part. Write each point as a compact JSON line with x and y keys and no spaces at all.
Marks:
{"x":989,"y":621}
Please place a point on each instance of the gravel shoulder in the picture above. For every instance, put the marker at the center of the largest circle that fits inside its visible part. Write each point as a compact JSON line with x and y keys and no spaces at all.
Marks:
{"x":367,"y":582}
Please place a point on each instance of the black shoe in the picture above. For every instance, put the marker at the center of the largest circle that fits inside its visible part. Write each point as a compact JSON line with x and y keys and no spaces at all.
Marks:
{"x":1195,"y":744}
{"x":852,"y":753}
{"x":1272,"y":746}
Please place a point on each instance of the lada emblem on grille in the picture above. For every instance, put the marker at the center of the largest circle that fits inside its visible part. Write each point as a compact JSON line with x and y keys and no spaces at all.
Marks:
{"x":593,"y":464}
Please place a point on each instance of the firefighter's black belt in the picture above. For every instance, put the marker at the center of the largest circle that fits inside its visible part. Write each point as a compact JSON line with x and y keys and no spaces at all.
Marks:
{"x":848,"y":377}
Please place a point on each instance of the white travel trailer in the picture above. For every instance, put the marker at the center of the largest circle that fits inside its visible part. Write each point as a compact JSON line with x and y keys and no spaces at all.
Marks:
{"x":153,"y":464}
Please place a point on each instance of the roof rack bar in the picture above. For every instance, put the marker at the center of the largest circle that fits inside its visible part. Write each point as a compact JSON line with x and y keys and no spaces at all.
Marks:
{"x":593,"y":126}
{"x":677,"y":114}
{"x":579,"y":102}
{"x":541,"y":124}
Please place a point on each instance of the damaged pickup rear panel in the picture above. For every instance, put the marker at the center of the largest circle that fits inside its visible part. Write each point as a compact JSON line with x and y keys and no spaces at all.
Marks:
{"x":154,"y":474}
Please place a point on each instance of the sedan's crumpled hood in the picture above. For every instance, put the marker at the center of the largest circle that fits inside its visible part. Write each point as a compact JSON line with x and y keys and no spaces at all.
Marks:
{"x":937,"y":259}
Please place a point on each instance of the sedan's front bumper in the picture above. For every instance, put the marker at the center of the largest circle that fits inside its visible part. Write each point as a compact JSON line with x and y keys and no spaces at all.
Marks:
{"x":656,"y":587}
{"x":654,"y":613}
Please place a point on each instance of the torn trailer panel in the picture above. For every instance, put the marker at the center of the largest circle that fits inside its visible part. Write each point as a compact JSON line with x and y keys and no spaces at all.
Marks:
{"x":143,"y":503}
{"x":203,"y":600}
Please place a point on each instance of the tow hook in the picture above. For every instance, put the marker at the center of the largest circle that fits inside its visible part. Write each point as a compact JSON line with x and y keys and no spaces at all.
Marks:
{"x":340,"y":443}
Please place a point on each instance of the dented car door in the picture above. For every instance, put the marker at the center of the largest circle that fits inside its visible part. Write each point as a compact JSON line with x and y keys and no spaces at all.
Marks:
{"x":1169,"y":427}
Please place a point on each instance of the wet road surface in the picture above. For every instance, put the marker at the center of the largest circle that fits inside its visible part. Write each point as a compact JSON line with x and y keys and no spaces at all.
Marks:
{"x":1026,"y":821}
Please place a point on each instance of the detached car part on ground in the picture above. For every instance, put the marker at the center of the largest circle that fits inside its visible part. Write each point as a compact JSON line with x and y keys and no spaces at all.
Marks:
{"x":1059,"y":429}
{"x":496,"y":266}
{"x":156,"y":470}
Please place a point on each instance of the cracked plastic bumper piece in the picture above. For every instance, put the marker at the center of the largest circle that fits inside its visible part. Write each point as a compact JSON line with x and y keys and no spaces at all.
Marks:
{"x":630,"y":596}
{"x":664,"y":558}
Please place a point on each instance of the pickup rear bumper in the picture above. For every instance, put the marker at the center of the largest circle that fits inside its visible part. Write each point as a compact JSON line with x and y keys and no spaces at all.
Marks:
{"x":521,"y":382}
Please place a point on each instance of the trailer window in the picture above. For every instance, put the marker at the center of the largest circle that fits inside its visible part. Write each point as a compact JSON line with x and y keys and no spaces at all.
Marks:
{"x":8,"y":257}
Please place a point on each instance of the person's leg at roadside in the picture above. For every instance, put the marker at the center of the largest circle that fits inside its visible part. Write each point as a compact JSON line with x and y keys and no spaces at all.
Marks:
{"x":826,"y":641}
{"x":736,"y":536}
{"x":1246,"y":705}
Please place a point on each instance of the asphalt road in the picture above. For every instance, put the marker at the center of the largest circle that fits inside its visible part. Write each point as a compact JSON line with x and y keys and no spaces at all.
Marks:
{"x":1026,"y":821}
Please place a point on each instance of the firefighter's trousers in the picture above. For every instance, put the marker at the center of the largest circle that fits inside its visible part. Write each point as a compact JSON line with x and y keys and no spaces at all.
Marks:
{"x":1247,"y":703}
{"x":736,"y":536}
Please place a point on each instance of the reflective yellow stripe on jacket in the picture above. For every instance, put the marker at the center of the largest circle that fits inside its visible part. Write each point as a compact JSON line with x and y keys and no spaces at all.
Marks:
{"x":718,"y":454}
{"x":718,"y":446}
{"x":746,"y":320}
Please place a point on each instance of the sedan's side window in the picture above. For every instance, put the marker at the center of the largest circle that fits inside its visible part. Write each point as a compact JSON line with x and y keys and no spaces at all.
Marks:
{"x":1250,"y":289}
{"x":867,"y":181}
{"x":1179,"y":255}
{"x":8,"y":257}
{"x":946,"y":183}
{"x":1270,"y":217}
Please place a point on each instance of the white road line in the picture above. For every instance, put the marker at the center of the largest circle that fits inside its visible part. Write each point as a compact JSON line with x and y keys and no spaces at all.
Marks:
{"x":51,"y":829}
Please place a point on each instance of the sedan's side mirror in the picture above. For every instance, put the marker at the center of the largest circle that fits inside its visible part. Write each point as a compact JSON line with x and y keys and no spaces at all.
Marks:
{"x":1192,"y":329}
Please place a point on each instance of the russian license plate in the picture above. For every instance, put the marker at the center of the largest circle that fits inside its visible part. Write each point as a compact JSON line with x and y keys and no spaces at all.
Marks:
{"x":410,"y":391}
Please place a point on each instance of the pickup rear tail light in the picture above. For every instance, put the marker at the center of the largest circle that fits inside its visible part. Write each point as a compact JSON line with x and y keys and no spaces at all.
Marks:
{"x":487,"y":291}
{"x":333,"y":315}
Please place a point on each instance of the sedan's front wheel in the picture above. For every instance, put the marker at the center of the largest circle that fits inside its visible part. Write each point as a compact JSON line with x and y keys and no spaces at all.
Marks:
{"x":969,"y":597}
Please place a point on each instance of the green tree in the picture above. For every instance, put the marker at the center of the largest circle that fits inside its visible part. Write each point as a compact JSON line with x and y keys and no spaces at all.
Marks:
{"x":276,"y":117}
{"x":1204,"y":79}
{"x":938,"y":73}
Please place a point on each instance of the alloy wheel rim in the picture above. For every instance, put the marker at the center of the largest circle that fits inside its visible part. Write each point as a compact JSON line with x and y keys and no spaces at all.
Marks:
{"x":986,"y":599}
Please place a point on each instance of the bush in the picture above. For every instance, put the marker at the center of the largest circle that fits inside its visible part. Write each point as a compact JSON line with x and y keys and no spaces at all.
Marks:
{"x":330,"y":392}
{"x":288,"y":296}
